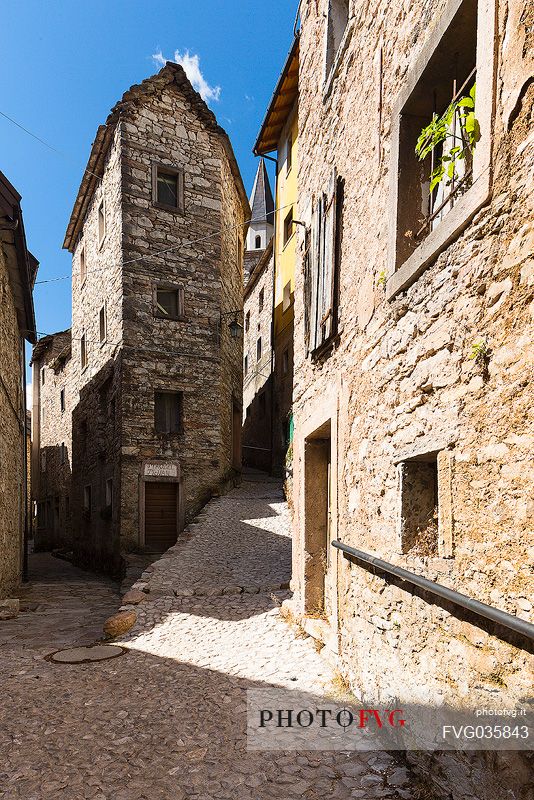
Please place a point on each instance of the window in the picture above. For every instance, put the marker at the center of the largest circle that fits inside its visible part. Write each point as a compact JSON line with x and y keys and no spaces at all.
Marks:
{"x":246,"y":365}
{"x":261,"y":299}
{"x":285,"y":361}
{"x":62,"y":453}
{"x":289,"y":154}
{"x":87,"y":498}
{"x":83,"y":268}
{"x":109,"y":493}
{"x":101,"y":222}
{"x":257,"y":242}
{"x":43,"y":376}
{"x":288,"y":226}
{"x":102,"y":324}
{"x":286,"y":299}
{"x":247,"y":321}
{"x":83,"y":351}
{"x":425,"y":483}
{"x":338,"y":18}
{"x":169,"y":302}
{"x":62,"y":400}
{"x":322,"y":267}
{"x":425,"y":221}
{"x":168,"y":187}
{"x":258,"y":349}
{"x":168,"y":412}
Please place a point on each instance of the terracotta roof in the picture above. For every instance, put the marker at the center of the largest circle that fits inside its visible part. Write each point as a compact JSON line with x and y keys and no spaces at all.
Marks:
{"x":170,"y":75}
{"x":282,"y":102}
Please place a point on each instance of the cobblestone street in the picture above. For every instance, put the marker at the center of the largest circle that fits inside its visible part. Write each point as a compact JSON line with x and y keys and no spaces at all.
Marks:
{"x":168,"y":718}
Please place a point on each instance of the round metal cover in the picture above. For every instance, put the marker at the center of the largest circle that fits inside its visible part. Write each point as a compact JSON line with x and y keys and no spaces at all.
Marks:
{"x":85,"y":655}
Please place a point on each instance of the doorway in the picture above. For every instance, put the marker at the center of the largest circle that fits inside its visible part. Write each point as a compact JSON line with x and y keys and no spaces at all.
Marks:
{"x":318,"y":517}
{"x":161,"y":515}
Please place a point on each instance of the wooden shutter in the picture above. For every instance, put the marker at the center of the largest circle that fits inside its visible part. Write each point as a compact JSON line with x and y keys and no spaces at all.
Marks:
{"x":315,"y":261}
{"x":326,"y":313}
{"x":159,"y":412}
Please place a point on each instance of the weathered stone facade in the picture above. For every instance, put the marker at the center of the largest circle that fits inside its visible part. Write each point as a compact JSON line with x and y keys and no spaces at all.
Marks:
{"x":54,"y":397}
{"x":128,"y":353}
{"x":258,"y":378}
{"x":18,"y":269}
{"x":436,"y":374}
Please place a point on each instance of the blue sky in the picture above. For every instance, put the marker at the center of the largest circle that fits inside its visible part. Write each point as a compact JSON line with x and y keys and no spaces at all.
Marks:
{"x":65,"y":64}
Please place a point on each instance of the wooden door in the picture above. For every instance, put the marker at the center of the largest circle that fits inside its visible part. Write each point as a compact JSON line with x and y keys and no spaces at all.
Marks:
{"x":161,"y":515}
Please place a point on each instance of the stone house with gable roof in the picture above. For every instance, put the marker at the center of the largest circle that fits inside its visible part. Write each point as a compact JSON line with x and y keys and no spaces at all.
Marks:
{"x":157,"y":240}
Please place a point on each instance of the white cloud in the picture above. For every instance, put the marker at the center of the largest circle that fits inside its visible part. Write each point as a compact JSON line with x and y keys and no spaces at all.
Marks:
{"x":191,"y":64}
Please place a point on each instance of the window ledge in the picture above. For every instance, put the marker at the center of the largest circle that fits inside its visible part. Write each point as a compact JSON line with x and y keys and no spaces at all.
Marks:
{"x":441,"y":237}
{"x":165,"y":207}
{"x":170,"y":319}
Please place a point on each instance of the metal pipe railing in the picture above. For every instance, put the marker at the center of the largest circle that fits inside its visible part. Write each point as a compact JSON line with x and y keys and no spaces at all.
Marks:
{"x":494,"y":614}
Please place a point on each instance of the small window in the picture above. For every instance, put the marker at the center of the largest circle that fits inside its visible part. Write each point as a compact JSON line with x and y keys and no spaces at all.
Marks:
{"x":101,"y":222}
{"x":102,"y":323}
{"x":258,"y":349}
{"x":168,"y":412}
{"x":247,"y":321}
{"x":258,"y":243}
{"x":83,"y":351}
{"x":62,"y":400}
{"x":289,"y":154}
{"x":419,"y":506}
{"x":168,"y":187}
{"x":62,"y":453}
{"x":246,"y":365}
{"x":261,"y":299}
{"x":43,"y":376}
{"x":87,"y":498}
{"x":109,"y":493}
{"x":286,"y":300}
{"x":338,"y":18}
{"x":288,"y":227}
{"x":83,"y":268}
{"x":285,"y":361}
{"x":169,"y":303}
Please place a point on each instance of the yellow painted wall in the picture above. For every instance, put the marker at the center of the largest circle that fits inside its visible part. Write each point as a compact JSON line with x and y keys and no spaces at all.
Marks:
{"x":286,"y":196}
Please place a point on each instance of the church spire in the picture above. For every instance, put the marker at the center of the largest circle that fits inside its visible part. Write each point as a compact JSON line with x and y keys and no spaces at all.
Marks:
{"x":262,"y":206}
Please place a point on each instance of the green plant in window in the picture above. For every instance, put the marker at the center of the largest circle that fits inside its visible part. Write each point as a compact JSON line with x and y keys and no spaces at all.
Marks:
{"x":441,"y":131}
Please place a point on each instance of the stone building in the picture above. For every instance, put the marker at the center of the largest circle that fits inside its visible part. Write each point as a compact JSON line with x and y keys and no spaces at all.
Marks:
{"x":279,"y":135}
{"x":156,"y":236}
{"x":54,"y":396}
{"x":18,"y":269}
{"x":413,"y":357}
{"x":258,"y":353}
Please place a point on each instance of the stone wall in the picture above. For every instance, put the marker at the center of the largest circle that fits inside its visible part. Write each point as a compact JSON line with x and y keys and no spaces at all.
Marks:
{"x":258,"y":381}
{"x":52,"y":440}
{"x":11,"y":439}
{"x":401,"y":383}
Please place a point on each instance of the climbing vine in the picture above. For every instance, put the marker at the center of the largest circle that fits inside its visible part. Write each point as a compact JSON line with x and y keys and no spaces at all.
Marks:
{"x":441,"y":131}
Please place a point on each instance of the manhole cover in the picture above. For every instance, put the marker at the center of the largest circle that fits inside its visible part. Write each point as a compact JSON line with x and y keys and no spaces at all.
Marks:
{"x":83,"y":655}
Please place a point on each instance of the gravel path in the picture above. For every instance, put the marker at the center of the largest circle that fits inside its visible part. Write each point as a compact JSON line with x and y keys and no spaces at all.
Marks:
{"x":168,"y":719}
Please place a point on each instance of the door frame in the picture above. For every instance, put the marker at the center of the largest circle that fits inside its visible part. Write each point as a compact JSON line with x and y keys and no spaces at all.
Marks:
{"x":177,"y":479}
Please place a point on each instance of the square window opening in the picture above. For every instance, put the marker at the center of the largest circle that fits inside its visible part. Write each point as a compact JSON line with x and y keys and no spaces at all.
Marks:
{"x":288,"y":226}
{"x":170,"y":303}
{"x":168,"y":187}
{"x":258,"y":349}
{"x":168,"y":412}
{"x":419,"y":506}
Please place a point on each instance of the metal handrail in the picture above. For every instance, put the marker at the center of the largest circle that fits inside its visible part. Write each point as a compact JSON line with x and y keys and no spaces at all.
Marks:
{"x":494,"y":614}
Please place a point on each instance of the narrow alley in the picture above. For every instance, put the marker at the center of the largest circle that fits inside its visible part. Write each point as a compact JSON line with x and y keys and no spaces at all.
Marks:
{"x":167,"y":719}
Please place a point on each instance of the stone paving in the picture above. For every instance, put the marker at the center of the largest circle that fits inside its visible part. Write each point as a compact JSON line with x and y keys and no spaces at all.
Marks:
{"x":168,"y":719}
